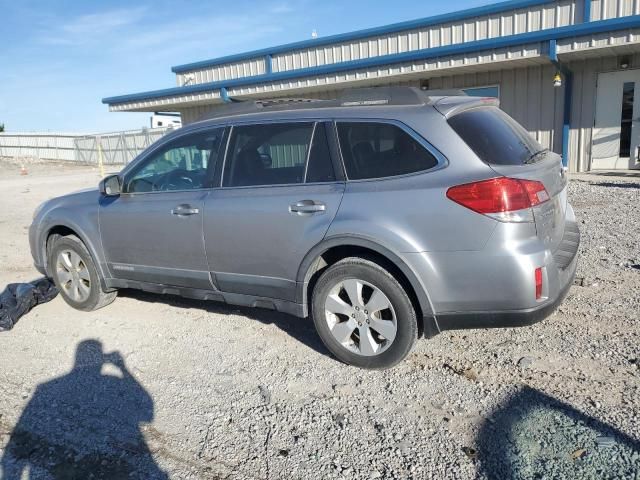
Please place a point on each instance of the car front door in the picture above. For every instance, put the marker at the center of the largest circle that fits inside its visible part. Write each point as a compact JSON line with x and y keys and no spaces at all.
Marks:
{"x":152,"y":232}
{"x":281,"y":189}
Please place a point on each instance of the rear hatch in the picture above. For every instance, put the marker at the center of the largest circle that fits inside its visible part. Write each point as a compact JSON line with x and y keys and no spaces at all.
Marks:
{"x":508,"y":149}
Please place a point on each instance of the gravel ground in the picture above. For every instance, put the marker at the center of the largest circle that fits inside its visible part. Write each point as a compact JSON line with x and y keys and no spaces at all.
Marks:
{"x":156,"y":386}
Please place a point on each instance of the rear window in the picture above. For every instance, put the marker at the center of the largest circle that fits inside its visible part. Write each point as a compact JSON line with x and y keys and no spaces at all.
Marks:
{"x":377,"y":150}
{"x":495,"y":137}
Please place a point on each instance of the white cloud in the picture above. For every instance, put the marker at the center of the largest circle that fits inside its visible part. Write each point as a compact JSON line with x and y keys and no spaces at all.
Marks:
{"x":92,"y":27}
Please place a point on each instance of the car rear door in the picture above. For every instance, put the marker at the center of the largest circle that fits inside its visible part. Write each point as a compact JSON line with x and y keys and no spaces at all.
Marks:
{"x":280,"y":191}
{"x":152,"y":232}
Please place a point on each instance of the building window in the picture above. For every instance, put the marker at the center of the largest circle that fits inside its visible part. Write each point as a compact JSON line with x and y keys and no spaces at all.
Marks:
{"x":626,"y":120}
{"x":492,"y":91}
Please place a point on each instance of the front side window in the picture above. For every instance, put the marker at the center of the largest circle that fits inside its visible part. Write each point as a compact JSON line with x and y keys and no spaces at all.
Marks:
{"x":267,"y":154}
{"x":182,"y":164}
{"x":377,"y":150}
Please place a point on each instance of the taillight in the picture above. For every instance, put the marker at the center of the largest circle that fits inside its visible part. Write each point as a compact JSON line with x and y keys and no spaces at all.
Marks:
{"x":538,"y":276}
{"x":501,"y":198}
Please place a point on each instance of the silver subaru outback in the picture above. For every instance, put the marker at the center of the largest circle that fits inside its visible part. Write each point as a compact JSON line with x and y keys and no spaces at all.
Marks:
{"x":386,"y":215}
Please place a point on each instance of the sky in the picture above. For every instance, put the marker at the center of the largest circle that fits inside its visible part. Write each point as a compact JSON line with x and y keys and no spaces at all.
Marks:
{"x":59,"y":58}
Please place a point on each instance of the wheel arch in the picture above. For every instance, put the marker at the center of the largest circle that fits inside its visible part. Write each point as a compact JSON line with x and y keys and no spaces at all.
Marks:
{"x":335,"y":248}
{"x":63,"y":229}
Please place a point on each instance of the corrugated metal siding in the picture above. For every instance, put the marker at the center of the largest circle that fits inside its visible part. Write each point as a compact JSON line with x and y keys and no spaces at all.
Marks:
{"x":246,"y":68}
{"x":533,"y":53}
{"x":168,"y":102}
{"x":539,"y":17}
{"x":605,"y":9}
{"x":600,"y":40}
{"x":424,"y":69}
{"x":561,"y":13}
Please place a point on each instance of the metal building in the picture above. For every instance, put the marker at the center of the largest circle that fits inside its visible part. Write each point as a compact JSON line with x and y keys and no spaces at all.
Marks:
{"x":568,"y":70}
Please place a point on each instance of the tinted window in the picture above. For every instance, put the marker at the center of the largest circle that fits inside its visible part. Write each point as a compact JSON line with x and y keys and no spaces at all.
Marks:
{"x":270,"y":154}
{"x":320,"y":168}
{"x":181,"y":164}
{"x":495,"y":137}
{"x":375,"y":150}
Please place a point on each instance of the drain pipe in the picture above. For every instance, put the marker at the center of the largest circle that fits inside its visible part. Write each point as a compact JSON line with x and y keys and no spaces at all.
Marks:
{"x":568,"y":97}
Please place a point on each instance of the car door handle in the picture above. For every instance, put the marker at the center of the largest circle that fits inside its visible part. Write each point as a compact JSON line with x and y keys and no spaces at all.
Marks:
{"x":185,"y":210}
{"x":307,"y":207}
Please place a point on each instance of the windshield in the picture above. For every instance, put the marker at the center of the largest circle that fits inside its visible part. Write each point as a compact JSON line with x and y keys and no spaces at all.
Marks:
{"x":496,"y":137}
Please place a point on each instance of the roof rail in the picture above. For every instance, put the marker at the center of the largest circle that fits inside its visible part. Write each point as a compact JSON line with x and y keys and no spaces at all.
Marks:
{"x":354,"y":97}
{"x":392,"y":96}
{"x":242,"y":107}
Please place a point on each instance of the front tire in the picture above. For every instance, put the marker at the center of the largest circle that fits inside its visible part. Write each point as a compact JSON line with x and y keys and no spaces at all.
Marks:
{"x":76,"y":276}
{"x":363,"y":315}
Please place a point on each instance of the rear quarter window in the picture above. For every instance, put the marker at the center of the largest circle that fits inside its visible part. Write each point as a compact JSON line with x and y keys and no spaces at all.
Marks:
{"x":378,"y":150}
{"x":495,"y":137}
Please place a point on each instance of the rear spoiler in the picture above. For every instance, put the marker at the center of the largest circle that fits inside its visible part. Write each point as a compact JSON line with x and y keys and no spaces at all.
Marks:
{"x":450,"y":106}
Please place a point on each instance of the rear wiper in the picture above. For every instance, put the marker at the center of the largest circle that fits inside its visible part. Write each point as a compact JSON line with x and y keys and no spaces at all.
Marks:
{"x":533,"y":158}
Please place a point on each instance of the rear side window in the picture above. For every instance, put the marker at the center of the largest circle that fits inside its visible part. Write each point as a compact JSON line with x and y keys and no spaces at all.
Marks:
{"x":267,"y":154}
{"x":376,"y":150}
{"x":320,"y":168}
{"x":495,"y":137}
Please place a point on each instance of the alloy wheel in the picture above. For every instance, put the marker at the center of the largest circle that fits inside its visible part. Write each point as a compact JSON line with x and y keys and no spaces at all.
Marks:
{"x":73,"y":275}
{"x":361,"y":317}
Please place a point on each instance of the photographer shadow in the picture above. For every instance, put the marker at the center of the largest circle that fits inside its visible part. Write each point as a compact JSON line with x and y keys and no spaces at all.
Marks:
{"x":85,"y":424}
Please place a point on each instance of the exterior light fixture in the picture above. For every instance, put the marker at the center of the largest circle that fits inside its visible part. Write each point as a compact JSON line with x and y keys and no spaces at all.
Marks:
{"x":557,"y":80}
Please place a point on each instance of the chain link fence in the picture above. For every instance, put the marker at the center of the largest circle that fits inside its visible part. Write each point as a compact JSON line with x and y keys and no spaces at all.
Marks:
{"x":117,"y":148}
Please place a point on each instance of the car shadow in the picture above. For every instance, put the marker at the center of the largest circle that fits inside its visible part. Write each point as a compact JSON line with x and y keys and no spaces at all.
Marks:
{"x":534,"y":435}
{"x":300,"y":329}
{"x":84,"y":424}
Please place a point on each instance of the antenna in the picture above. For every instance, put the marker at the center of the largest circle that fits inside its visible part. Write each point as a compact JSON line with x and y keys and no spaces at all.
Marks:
{"x":314,"y":33}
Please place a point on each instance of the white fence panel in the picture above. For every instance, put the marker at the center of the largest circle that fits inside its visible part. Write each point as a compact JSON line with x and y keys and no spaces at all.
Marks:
{"x":117,"y":148}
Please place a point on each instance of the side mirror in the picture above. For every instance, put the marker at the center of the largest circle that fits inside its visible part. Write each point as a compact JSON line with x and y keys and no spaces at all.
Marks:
{"x":110,"y":186}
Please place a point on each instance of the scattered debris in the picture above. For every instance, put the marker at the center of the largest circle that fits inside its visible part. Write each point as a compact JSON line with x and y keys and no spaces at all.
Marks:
{"x":468,"y":373}
{"x":18,"y":298}
{"x":605,"y":442}
{"x":340,"y":419}
{"x":472,"y":453}
{"x":526,"y":362}
{"x":265,"y":393}
{"x":579,"y":281}
{"x":581,"y":452}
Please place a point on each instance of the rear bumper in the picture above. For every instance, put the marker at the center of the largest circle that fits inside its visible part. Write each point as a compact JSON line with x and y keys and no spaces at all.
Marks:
{"x":503,"y":319}
{"x":509,"y":318}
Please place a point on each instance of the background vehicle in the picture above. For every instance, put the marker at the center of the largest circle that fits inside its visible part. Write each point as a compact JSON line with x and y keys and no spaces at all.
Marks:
{"x":387,"y":214}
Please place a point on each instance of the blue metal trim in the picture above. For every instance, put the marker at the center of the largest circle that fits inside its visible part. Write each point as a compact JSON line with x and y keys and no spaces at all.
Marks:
{"x":369,"y":32}
{"x":461,"y":48}
{"x":553,"y":50}
{"x":566,"y":124}
{"x":268,"y":64}
{"x":587,"y":11}
{"x":568,"y":99}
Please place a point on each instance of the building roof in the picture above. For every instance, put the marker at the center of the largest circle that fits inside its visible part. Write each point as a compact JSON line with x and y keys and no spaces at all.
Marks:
{"x":255,"y":71}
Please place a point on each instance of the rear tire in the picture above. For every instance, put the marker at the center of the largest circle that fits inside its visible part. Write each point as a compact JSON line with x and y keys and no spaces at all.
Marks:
{"x":363,"y":315}
{"x":76,"y":276}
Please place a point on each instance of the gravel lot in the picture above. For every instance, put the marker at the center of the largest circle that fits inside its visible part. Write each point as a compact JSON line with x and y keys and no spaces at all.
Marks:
{"x":156,"y":387}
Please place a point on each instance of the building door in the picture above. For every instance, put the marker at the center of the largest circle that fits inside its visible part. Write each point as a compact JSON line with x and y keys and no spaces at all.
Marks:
{"x":616,"y":134}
